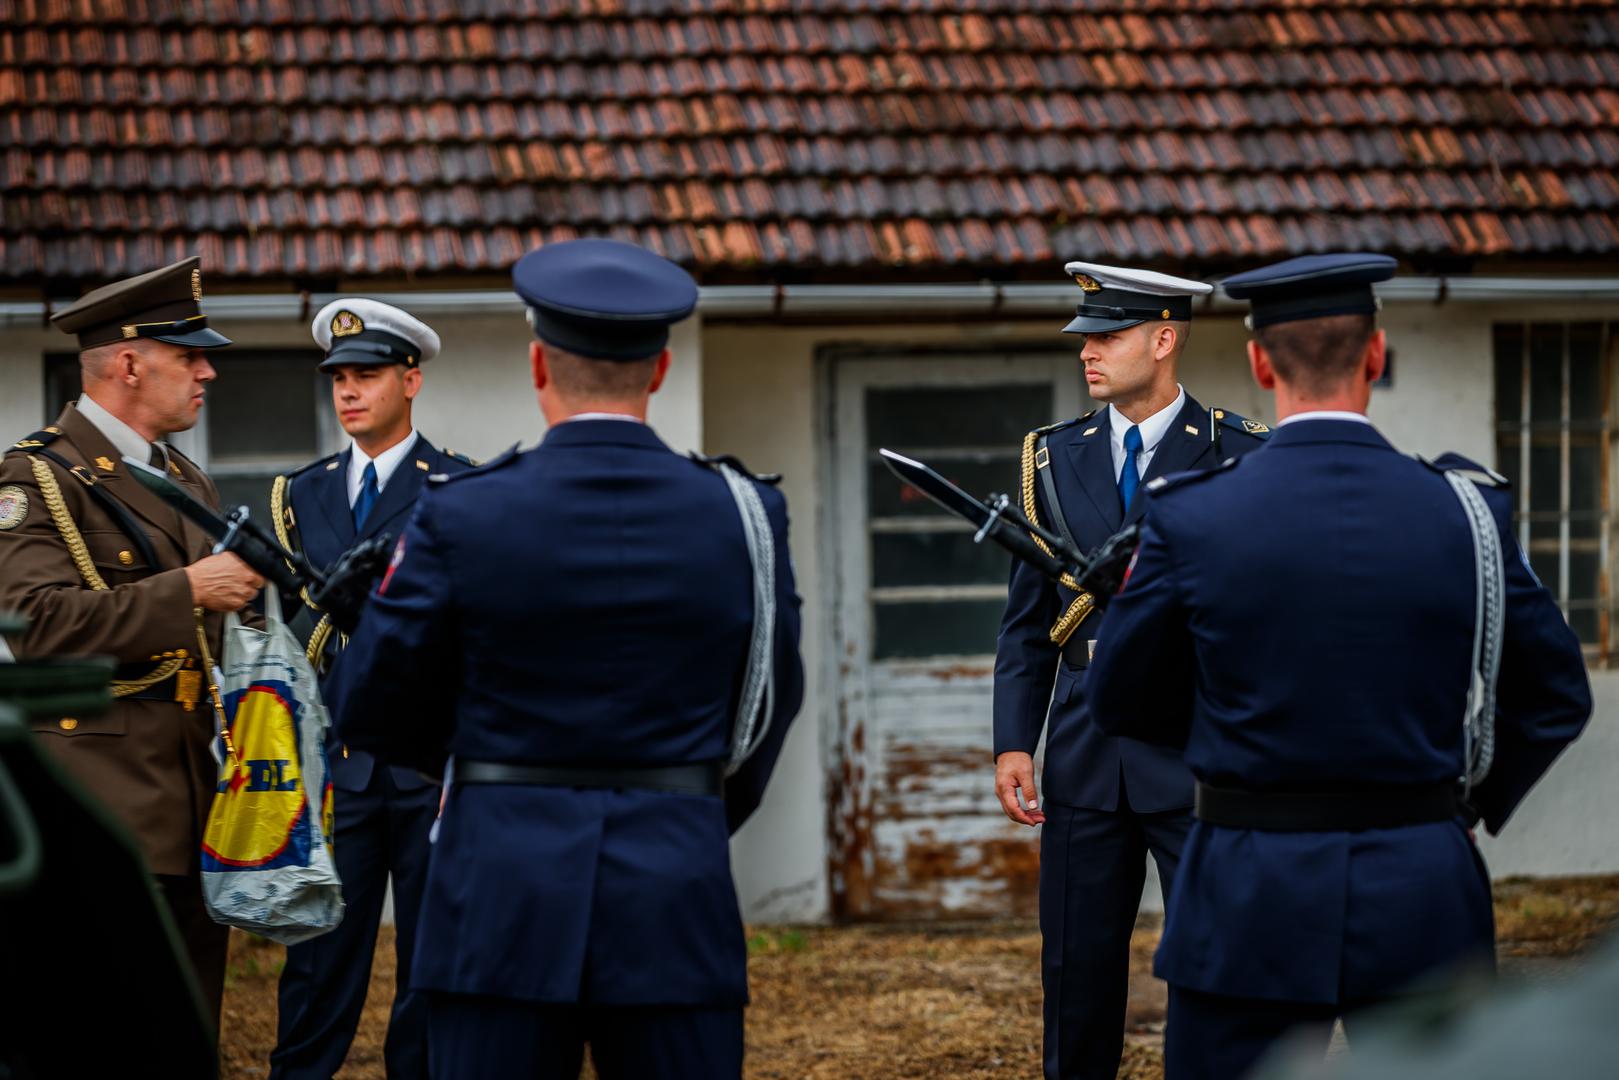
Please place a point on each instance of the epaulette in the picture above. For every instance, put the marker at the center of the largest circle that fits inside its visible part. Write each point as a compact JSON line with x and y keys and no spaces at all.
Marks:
{"x":1481,"y":475}
{"x":462,"y":458}
{"x":709,"y":461}
{"x":1061,"y":424}
{"x":329,"y":462}
{"x":1178,"y":480}
{"x":43,"y":437}
{"x":496,"y":462}
{"x":1241,"y":423}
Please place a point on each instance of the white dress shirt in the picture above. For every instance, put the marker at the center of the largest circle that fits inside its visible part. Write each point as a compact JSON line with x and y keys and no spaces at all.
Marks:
{"x":386,"y":462}
{"x":602,"y":416}
{"x":1325,"y":414}
{"x":125,"y":439}
{"x":1153,"y":430}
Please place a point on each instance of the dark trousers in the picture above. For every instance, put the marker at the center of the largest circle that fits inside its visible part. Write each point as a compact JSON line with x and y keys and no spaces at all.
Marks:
{"x":379,"y":832}
{"x":1092,"y":866}
{"x":207,"y":943}
{"x":487,"y":1038}
{"x":1215,"y":1037}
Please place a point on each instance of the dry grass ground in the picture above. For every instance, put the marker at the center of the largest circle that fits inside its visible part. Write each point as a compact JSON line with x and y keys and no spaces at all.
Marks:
{"x":906,"y":1001}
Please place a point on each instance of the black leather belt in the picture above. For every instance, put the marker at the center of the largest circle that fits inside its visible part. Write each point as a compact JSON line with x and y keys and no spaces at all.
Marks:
{"x":701,"y":778}
{"x":1326,"y":811}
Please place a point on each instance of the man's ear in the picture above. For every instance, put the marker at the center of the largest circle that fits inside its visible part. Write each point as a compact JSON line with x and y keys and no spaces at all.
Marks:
{"x":1259,"y":363}
{"x":659,"y":370}
{"x":413,"y":382}
{"x":1164,"y":341}
{"x":536,"y":364}
{"x":128,"y":366}
{"x":1376,"y":358}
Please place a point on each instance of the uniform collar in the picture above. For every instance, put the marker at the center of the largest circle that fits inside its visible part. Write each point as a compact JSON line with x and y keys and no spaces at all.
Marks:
{"x":1154,"y":427}
{"x":1325,"y":414}
{"x":602,"y":416}
{"x":613,"y":432}
{"x":125,"y":439}
{"x":386,"y":462}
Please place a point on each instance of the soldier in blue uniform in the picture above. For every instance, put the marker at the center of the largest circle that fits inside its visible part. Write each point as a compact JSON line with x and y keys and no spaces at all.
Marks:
{"x":1329,"y":672}
{"x":1108,"y":800}
{"x":597,"y":632}
{"x":374,"y":355}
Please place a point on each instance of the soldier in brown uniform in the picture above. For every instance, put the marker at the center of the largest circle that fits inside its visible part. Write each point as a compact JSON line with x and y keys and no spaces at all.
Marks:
{"x":100,"y":565}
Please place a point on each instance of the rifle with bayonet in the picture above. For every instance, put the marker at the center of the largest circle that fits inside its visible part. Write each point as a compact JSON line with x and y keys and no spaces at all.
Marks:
{"x":1098,"y":572}
{"x":340,"y":589}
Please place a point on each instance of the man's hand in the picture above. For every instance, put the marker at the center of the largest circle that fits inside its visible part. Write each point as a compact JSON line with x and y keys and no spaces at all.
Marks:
{"x":222,"y":582}
{"x":1014,"y":771}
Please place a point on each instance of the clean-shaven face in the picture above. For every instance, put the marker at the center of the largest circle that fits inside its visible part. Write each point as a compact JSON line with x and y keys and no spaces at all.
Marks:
{"x":373,"y":399}
{"x":173,"y":379}
{"x":1119,"y":364}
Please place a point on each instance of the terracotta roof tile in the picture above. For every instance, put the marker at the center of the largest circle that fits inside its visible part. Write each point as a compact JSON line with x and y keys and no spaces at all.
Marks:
{"x":382,"y":138}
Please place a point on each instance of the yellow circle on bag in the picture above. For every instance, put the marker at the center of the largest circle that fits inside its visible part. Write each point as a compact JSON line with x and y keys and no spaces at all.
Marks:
{"x":260,"y":798}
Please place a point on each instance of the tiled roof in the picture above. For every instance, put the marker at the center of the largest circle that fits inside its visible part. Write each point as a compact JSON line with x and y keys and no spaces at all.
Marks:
{"x":318,"y":139}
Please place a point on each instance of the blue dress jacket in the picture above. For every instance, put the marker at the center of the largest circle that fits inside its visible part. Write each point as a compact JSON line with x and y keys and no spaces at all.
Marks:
{"x":321,"y":524}
{"x":1302,"y":620}
{"x":587,"y":602}
{"x":1034,"y":687}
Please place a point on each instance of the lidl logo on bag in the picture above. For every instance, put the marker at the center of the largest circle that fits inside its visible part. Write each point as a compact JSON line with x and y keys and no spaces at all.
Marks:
{"x":260,"y":817}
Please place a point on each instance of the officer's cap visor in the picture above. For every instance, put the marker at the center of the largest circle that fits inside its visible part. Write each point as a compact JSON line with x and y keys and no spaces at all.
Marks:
{"x":201,"y":338}
{"x":1091,"y":324}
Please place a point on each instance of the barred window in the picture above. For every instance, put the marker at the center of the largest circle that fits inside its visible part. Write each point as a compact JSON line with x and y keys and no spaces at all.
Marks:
{"x":1554,"y":442}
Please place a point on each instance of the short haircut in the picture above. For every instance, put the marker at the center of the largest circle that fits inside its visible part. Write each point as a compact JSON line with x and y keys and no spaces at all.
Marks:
{"x":94,"y":362}
{"x":1316,"y":356}
{"x":600,"y":380}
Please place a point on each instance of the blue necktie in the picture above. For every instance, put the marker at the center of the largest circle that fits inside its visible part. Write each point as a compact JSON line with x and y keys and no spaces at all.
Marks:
{"x":368,"y":492}
{"x":1130,"y":475}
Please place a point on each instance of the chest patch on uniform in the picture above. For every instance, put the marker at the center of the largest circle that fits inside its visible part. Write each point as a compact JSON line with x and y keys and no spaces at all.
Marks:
{"x":13,"y":506}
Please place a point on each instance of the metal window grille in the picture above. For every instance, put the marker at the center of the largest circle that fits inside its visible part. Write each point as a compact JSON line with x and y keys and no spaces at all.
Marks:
{"x":1554,"y":441}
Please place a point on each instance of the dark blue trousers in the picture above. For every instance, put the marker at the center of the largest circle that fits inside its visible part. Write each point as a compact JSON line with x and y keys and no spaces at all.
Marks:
{"x":1216,"y":1037}
{"x":379,"y":832}
{"x":489,"y":1038}
{"x":1092,"y":866}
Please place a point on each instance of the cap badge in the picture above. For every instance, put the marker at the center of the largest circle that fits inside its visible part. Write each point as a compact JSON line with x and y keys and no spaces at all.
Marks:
{"x":1088,"y":283}
{"x":13,"y":506}
{"x":1165,"y":315}
{"x":196,"y":284}
{"x":345,"y":323}
{"x":1254,"y":427}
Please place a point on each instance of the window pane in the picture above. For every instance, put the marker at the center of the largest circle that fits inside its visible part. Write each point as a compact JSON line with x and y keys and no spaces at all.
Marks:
{"x":1584,"y":487}
{"x":1545,"y":478}
{"x":1583,"y":621}
{"x":263,"y":406}
{"x":1508,"y":350}
{"x":936,"y":558}
{"x":988,"y":474}
{"x":923,"y":417}
{"x":1584,"y":575}
{"x":1585,"y":399}
{"x":1546,"y":373}
{"x":1544,"y":564}
{"x":1508,"y":463}
{"x":943,"y":628}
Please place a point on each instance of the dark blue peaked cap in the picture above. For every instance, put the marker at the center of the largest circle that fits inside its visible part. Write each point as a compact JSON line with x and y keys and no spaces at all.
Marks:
{"x":1311,"y":287}
{"x":603,"y":298}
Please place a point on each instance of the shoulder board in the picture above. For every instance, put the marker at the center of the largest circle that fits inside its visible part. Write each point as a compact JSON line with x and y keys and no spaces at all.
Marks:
{"x":1060,"y":424}
{"x":1185,"y":479}
{"x":498,"y":461}
{"x":710,"y":461}
{"x":462,"y":458}
{"x":1241,"y":423}
{"x":1466,"y":467}
{"x":330,"y":459}
{"x":43,"y":437}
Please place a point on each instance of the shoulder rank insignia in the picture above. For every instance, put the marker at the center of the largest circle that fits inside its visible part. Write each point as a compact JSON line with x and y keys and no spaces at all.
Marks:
{"x":1481,"y":475}
{"x":329,"y":463}
{"x":1241,"y":423}
{"x":1184,"y":479}
{"x":462,"y":458}
{"x":712,"y":460}
{"x":13,"y":506}
{"x":491,"y":465}
{"x":43,"y":437}
{"x":1061,"y":424}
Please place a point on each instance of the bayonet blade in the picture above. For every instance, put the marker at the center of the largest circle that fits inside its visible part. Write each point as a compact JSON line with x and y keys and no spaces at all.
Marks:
{"x":936,"y":487}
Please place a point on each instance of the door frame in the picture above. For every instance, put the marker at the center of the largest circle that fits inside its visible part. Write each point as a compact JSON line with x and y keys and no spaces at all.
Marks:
{"x":847,"y":745}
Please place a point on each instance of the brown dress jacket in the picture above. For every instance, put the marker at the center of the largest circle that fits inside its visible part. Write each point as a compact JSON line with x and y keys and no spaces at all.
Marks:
{"x":147,"y":760}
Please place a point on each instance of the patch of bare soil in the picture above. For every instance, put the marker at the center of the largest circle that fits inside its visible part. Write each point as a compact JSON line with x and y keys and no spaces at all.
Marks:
{"x":919,"y":1000}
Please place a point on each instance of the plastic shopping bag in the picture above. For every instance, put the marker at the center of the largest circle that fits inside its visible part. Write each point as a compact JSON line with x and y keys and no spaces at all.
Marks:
{"x":266,"y":851}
